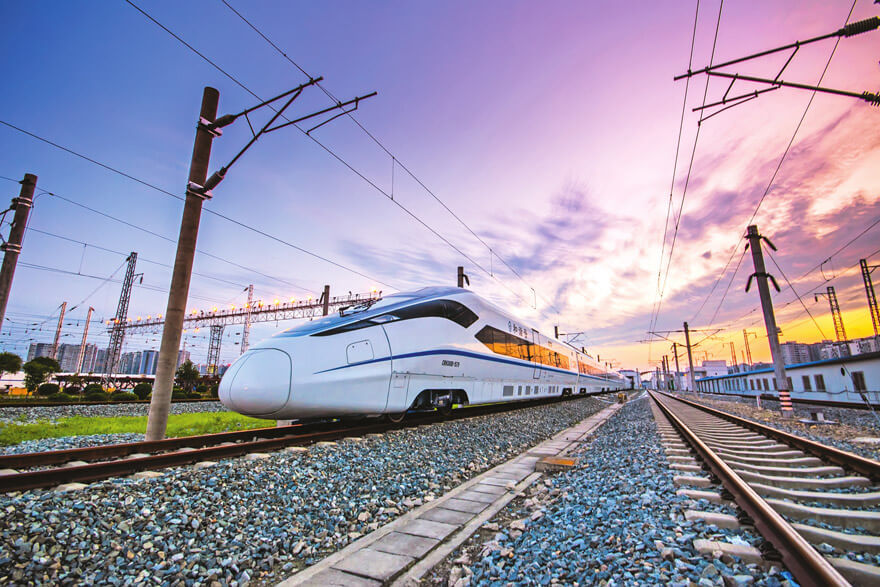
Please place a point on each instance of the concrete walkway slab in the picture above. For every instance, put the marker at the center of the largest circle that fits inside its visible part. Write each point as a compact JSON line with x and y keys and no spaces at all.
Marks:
{"x":418,"y":540}
{"x":405,"y":544}
{"x":373,"y":564}
{"x":429,"y":529}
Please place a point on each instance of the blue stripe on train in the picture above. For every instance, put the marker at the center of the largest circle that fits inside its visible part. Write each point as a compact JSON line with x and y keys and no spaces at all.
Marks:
{"x":463,"y":354}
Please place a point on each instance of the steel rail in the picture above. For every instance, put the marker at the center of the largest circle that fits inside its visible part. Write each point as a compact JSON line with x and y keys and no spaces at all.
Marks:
{"x":806,"y":564}
{"x":298,"y":434}
{"x":145,"y":402}
{"x":799,"y":400}
{"x":109,"y":451}
{"x":865,"y":466}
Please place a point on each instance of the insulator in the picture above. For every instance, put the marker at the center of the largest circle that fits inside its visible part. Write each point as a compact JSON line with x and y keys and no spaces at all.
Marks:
{"x":862,"y":26}
{"x":871,"y":98}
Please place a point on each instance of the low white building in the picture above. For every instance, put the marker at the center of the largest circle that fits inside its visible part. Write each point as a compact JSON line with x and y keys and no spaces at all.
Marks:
{"x":848,"y":379}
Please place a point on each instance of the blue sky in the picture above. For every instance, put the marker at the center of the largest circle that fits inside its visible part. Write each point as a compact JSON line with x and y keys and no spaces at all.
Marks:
{"x":551,"y":129}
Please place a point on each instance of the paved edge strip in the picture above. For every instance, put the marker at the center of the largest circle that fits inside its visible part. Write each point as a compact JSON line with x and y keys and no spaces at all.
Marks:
{"x":416,"y":567}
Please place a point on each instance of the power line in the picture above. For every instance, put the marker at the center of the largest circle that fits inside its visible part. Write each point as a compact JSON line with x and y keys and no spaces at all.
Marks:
{"x":341,"y":160}
{"x":674,"y":171}
{"x":206,"y":211}
{"x":90,"y":276}
{"x":165,"y":238}
{"x":140,"y":258}
{"x":394,"y":159}
{"x":784,"y":155}
{"x":687,"y":180}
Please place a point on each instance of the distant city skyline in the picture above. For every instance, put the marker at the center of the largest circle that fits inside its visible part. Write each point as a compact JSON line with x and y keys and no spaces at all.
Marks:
{"x":550,"y":130}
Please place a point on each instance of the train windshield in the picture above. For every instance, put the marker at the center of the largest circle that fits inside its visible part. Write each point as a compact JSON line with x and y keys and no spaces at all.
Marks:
{"x":357,"y":312}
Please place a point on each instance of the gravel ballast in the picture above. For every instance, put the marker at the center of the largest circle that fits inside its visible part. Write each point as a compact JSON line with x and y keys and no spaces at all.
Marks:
{"x":260,"y":519}
{"x":850,"y":423}
{"x":614,"y":519}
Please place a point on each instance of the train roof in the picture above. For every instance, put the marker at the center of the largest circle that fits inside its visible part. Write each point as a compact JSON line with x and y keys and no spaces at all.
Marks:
{"x":370,"y":308}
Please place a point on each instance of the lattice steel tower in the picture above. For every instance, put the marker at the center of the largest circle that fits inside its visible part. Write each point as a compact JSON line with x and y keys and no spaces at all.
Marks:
{"x":839,"y":330}
{"x":117,"y":330}
{"x":872,"y":298}
{"x":214,"y":348}
{"x":246,"y":330}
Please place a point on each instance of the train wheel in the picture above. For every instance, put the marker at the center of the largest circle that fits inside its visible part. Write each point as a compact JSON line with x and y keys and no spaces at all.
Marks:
{"x":445,"y":410}
{"x":396,"y":418}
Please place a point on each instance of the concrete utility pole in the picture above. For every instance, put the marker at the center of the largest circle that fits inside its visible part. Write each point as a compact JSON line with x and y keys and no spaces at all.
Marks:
{"x":462,"y":278}
{"x":677,"y":368}
{"x":82,"y":346}
{"x":12,"y":248}
{"x":160,"y":404}
{"x":692,"y":382}
{"x":54,"y":352}
{"x":325,"y":297}
{"x":761,"y":276}
{"x":665,"y":372}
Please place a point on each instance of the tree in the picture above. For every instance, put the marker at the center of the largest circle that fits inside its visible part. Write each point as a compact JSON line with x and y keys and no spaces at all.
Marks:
{"x":9,"y":363}
{"x":187,"y":376}
{"x":143,"y":389}
{"x":37,"y":371}
{"x":73,"y":384}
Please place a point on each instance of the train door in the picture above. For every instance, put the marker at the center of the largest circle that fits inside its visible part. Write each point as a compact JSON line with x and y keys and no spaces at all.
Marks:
{"x":536,"y":354}
{"x":368,"y":374}
{"x":397,"y":393}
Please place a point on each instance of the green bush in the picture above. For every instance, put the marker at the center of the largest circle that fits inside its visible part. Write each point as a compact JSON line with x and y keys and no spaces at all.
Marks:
{"x":60,"y":397}
{"x":92,"y":387}
{"x":142,"y":390}
{"x":48,"y":389}
{"x":97,"y":396}
{"x":73,"y":390}
{"x":123,"y":396}
{"x":215,"y":391}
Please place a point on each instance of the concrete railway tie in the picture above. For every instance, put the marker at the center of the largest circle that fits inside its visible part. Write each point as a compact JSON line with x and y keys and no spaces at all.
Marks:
{"x":812,"y":492}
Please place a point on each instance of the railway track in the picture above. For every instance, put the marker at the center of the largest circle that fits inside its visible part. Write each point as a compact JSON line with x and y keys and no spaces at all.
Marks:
{"x":136,"y":402}
{"x":786,"y":484}
{"x":83,"y":465}
{"x":803,"y":402}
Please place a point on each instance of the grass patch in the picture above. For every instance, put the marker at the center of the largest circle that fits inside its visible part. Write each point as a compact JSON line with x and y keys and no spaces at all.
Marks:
{"x":178,"y":425}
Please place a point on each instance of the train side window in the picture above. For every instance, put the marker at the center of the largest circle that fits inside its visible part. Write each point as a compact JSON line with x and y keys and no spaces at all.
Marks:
{"x":528,"y":389}
{"x":751,"y":384}
{"x":519,"y":390}
{"x":508,"y":390}
{"x":766,"y":385}
{"x":858,"y":378}
{"x":806,"y":380}
{"x":820,"y":382}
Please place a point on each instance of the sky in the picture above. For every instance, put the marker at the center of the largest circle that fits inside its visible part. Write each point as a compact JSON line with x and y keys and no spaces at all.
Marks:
{"x":536,"y":144}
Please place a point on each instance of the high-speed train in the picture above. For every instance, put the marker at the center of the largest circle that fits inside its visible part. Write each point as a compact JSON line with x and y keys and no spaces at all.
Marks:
{"x":432,"y":348}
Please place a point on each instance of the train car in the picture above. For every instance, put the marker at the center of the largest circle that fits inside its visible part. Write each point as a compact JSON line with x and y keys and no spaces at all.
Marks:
{"x":428,"y":349}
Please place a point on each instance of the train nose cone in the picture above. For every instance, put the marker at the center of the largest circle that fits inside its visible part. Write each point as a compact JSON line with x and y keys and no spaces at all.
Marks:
{"x":258,"y":384}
